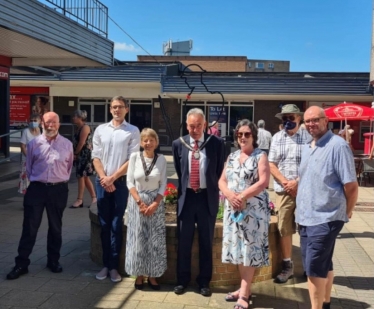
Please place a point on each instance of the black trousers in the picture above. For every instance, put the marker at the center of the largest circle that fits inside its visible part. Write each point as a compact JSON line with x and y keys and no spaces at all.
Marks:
{"x":39,"y":196}
{"x":195,"y":211}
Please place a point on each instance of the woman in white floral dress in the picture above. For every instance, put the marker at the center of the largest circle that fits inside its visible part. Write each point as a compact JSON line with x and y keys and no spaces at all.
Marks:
{"x":247,"y":214}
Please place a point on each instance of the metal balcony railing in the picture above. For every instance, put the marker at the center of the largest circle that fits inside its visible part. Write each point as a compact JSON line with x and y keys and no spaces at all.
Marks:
{"x":89,"y":13}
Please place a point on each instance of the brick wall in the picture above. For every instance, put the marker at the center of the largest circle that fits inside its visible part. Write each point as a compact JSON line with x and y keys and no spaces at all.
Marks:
{"x":208,"y":63}
{"x":173,"y":110}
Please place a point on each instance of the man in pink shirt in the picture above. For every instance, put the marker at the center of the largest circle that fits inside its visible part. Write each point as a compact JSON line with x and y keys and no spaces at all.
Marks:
{"x":49,"y":161}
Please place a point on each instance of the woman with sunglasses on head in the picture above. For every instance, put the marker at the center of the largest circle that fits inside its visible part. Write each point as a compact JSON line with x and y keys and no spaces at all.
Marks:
{"x":247,"y":214}
{"x":28,"y":134}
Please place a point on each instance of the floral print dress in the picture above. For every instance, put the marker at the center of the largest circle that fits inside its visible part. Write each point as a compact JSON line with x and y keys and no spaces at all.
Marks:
{"x":246,"y":242}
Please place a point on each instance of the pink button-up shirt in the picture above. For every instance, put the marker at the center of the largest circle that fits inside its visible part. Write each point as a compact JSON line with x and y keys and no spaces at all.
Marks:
{"x":49,"y":161}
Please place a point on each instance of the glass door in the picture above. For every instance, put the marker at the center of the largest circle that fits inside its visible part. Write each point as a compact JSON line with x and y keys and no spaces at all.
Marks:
{"x":141,"y":115}
{"x":97,"y":113}
{"x":238,"y":113}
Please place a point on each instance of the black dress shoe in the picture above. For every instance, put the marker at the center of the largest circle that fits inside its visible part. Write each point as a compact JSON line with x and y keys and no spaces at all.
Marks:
{"x":155,"y":287}
{"x":205,"y":290}
{"x":179,"y":289}
{"x":139,"y":286}
{"x":55,"y":267}
{"x":16,"y":272}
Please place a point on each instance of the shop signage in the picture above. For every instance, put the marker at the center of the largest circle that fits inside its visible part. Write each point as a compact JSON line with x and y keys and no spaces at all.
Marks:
{"x":4,"y":73}
{"x":19,"y":110}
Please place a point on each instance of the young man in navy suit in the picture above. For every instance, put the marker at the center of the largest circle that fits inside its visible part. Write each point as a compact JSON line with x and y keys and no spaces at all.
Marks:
{"x":198,"y":160}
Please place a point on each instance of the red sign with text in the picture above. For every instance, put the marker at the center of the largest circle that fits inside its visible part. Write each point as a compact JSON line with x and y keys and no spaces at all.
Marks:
{"x":19,"y":110}
{"x":4,"y":73}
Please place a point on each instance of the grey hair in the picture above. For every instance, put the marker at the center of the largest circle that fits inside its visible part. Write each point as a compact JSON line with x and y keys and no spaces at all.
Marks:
{"x":195,"y":111}
{"x":82,"y":114}
{"x":261,"y":123}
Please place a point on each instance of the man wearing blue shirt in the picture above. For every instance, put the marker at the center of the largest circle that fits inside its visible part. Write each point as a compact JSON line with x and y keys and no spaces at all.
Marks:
{"x":327,"y":194}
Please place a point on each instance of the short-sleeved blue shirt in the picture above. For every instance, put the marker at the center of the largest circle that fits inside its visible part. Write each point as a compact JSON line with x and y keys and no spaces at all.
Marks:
{"x":323,"y":172}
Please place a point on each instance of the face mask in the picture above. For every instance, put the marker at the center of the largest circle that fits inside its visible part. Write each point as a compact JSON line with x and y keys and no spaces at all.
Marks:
{"x":33,"y":125}
{"x":289,"y":125}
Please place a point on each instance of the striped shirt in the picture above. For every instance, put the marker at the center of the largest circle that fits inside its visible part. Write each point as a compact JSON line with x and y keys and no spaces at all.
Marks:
{"x":285,"y":152}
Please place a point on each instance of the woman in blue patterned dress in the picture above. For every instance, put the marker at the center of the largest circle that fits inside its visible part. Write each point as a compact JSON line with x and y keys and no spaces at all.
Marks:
{"x":247,"y":214}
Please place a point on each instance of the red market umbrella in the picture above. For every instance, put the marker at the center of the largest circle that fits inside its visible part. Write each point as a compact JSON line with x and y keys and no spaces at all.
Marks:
{"x":349,"y":111}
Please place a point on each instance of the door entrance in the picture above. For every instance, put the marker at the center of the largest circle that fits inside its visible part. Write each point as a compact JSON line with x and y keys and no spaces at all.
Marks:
{"x":97,"y":113}
{"x":141,"y":115}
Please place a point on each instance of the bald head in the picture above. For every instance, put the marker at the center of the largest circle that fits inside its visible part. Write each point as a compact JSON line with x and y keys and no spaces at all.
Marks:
{"x":51,"y":124}
{"x":316,"y":121}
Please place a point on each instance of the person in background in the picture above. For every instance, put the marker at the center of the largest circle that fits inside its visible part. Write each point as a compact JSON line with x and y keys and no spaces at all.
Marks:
{"x":246,"y":214}
{"x":347,"y":133}
{"x":198,"y":161}
{"x":113,"y":144}
{"x":213,"y":129}
{"x":40,"y":106}
{"x":82,"y":157}
{"x":264,"y":137}
{"x":371,"y":154}
{"x":28,"y":134}
{"x":284,"y":160}
{"x":49,"y":161}
{"x":146,"y":231}
{"x":328,"y":194}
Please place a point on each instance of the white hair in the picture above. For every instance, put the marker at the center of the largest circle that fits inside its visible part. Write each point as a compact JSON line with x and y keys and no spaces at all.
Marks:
{"x":195,"y":111}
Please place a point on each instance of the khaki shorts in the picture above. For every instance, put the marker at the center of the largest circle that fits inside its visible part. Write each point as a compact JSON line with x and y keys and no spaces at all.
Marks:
{"x":285,"y":205}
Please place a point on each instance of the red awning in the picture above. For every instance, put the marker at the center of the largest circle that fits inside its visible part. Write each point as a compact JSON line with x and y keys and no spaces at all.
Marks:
{"x":349,"y":111}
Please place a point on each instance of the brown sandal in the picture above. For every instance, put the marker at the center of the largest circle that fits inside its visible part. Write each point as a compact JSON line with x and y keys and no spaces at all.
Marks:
{"x":239,"y":306}
{"x":230,"y":297}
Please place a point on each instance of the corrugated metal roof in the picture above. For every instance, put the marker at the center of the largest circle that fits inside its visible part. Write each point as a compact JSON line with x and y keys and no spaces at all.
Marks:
{"x":126,"y":73}
{"x":265,"y":84}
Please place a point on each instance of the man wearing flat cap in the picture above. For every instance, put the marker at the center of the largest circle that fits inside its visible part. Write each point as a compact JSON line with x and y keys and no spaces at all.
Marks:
{"x":284,"y":160}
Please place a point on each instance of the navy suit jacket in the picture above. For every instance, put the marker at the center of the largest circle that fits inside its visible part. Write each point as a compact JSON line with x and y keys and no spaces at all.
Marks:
{"x":214,"y":151}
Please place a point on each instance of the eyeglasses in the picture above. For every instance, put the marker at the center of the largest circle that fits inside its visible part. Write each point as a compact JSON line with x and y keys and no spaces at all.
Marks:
{"x":290,"y":117}
{"x":118,"y":107}
{"x":246,"y":134}
{"x":50,"y":122}
{"x":313,"y":120}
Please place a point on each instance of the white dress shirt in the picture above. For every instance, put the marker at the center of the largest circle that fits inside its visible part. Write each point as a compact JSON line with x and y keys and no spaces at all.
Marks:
{"x":114,"y":145}
{"x":202,"y":162}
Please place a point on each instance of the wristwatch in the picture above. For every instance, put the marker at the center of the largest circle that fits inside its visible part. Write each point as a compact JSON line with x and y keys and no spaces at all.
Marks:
{"x":138,"y":201}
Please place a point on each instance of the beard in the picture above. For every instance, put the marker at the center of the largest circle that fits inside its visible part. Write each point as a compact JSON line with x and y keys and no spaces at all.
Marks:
{"x":50,"y":133}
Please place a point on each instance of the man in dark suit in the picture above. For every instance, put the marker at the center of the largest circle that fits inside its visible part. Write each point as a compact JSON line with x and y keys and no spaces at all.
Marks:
{"x":198,"y":160}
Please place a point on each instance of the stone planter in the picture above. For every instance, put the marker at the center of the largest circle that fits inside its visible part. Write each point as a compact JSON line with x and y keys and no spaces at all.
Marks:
{"x":223,"y":274}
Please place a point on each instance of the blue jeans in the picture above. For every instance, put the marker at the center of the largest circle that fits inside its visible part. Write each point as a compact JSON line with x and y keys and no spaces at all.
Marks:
{"x":111,"y":208}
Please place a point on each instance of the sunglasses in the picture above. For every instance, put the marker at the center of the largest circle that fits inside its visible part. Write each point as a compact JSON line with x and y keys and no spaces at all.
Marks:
{"x":290,"y":117}
{"x":246,"y":134}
